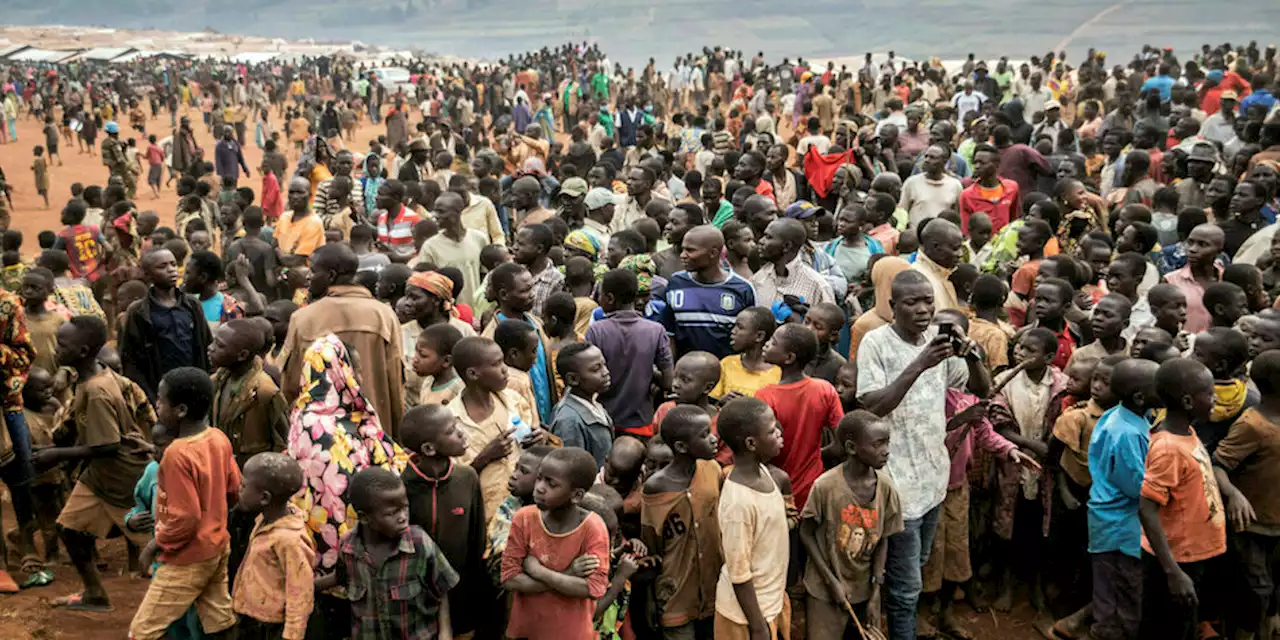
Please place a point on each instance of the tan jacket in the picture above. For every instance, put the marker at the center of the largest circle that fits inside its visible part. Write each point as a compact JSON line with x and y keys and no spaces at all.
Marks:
{"x":256,"y":416}
{"x":370,"y":328}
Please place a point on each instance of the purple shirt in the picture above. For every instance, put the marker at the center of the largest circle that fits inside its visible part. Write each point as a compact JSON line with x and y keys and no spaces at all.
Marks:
{"x":981,"y":433}
{"x":632,"y":346}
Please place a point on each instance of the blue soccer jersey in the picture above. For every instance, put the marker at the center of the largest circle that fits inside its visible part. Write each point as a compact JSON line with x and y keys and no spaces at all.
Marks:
{"x":700,"y":315}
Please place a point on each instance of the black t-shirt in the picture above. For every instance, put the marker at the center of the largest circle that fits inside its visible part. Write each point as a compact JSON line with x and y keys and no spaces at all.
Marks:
{"x":1236,"y":232}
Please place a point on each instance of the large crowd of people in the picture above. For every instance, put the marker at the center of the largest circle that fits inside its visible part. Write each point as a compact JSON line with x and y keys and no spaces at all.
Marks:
{"x":733,"y":350}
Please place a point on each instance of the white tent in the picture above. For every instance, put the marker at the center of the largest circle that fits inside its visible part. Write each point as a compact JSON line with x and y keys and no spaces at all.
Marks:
{"x":105,"y":54}
{"x":253,"y":57}
{"x":44,"y":55}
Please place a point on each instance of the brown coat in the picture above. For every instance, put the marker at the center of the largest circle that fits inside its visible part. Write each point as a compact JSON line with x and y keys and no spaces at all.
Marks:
{"x":370,"y":328}
{"x":256,"y":418}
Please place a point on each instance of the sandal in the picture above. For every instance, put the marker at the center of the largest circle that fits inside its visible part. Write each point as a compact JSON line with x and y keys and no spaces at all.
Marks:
{"x":40,"y":578}
{"x":76,"y":602}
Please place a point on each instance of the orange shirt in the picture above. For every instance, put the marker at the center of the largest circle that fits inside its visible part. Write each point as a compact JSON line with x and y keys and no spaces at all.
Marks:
{"x":276,"y":581}
{"x":197,"y":479}
{"x":1180,"y":479}
{"x":549,"y":615}
{"x":301,"y":237}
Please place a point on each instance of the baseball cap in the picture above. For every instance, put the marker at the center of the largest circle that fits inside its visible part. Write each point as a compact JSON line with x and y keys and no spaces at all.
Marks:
{"x":599,"y":197}
{"x":801,"y":209}
{"x":575,"y":187}
{"x":111,"y":127}
{"x":1052,"y":104}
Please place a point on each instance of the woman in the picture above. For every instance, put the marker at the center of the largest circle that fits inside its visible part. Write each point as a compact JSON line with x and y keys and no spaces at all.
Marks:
{"x":333,"y":434}
{"x":314,"y":163}
{"x":1085,"y":212}
{"x":882,"y":275}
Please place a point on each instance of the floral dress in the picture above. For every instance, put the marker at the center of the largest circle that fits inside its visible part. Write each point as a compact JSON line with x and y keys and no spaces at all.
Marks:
{"x":333,"y":433}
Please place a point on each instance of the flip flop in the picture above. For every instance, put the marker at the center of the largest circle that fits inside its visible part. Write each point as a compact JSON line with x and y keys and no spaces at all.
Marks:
{"x":38,"y":579}
{"x":75,"y":602}
{"x":1053,"y":631}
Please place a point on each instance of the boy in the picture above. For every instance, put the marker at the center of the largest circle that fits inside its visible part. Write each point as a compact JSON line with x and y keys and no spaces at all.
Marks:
{"x":44,"y":415}
{"x":1109,"y":321}
{"x":805,"y":406}
{"x":1243,"y":466}
{"x":51,"y":138}
{"x":1183,"y":524}
{"x":986,"y":328}
{"x":40,"y":167}
{"x":553,"y":586}
{"x":579,"y":420}
{"x":558,"y":315}
{"x":520,"y":344}
{"x":110,"y":414}
{"x":491,"y":414}
{"x":746,"y":372}
{"x":678,"y":523}
{"x":511,"y":287}
{"x":1224,"y":351}
{"x":580,"y":280}
{"x":1032,"y":238}
{"x":42,"y":324}
{"x":1169,"y":307}
{"x":83,"y":244}
{"x":1226,"y":303}
{"x":274,"y":591}
{"x":696,"y":374}
{"x":247,"y":404}
{"x":1123,"y":277}
{"x":852,"y":511}
{"x":750,"y":595}
{"x":433,"y":362}
{"x":634,"y":348}
{"x":155,"y":166}
{"x":826,"y":320}
{"x":385,"y":554}
{"x":1117,"y":462}
{"x":445,"y":501}
{"x":520,"y":488}
{"x":1053,"y":298}
{"x":197,"y":480}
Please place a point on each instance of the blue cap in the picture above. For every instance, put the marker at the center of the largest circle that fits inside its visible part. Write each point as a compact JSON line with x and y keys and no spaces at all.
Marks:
{"x":111,"y":127}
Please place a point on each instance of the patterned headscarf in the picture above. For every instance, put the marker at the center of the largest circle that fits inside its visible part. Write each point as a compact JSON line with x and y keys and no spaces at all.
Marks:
{"x":584,"y":242}
{"x":643,"y":266}
{"x":436,"y":284}
{"x":333,"y":434}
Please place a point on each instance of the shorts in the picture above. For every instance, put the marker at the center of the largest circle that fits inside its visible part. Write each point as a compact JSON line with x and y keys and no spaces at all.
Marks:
{"x":86,"y":512}
{"x":779,"y":627}
{"x":154,"y":174}
{"x":52,"y":147}
{"x":175,"y":588}
{"x":949,"y":557}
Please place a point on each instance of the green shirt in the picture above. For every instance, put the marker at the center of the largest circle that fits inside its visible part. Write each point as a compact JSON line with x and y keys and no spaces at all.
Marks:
{"x":399,"y":598}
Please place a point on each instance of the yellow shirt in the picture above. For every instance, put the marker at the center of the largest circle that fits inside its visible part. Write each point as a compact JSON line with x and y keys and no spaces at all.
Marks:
{"x":494,"y":477}
{"x":735,"y":377}
{"x":300,"y":238}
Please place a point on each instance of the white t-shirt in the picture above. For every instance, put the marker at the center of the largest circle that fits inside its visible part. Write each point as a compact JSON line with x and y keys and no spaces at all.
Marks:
{"x":926,"y":198}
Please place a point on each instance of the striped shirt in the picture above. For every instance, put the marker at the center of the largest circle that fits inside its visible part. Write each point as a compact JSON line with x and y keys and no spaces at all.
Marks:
{"x":398,"y":232}
{"x":700,"y":315}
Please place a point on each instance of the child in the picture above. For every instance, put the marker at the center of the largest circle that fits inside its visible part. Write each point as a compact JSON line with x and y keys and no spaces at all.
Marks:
{"x":51,"y":139}
{"x":579,"y":420}
{"x":247,"y":404}
{"x":634,"y":348}
{"x":104,"y":492}
{"x":986,"y":328}
{"x":511,"y":287}
{"x":491,"y":414}
{"x":40,"y":167}
{"x":553,"y":588}
{"x":278,"y":313}
{"x":42,"y":324}
{"x":433,"y":362}
{"x":1108,"y":323}
{"x":1029,"y":404}
{"x":274,"y":591}
{"x":520,"y":344}
{"x":385,"y":554}
{"x":580,"y":280}
{"x":826,"y":320}
{"x":747,"y":372}
{"x":1224,"y":352}
{"x":852,"y":510}
{"x":490,"y":257}
{"x":155,"y":166}
{"x":1053,"y":298}
{"x":83,"y":244}
{"x":520,"y":494}
{"x":1169,"y":307}
{"x":804,"y":406}
{"x":445,"y":501}
{"x":1243,"y":465}
{"x":846,"y":385}
{"x":1032,"y":238}
{"x":612,"y":611}
{"x":1226,"y":303}
{"x":1117,"y":460}
{"x":197,"y":480}
{"x":1183,"y":523}
{"x":622,"y":472}
{"x":679,"y":524}
{"x":750,"y":595}
{"x":696,"y":374}
{"x":44,"y":415}
{"x":559,"y":313}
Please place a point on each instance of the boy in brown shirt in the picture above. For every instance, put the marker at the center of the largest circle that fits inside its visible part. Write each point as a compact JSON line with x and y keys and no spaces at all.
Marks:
{"x":111,"y":415}
{"x":247,"y":405}
{"x":678,"y":523}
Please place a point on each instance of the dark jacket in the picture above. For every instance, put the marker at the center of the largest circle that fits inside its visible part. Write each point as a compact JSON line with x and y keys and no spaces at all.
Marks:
{"x":451,"y":510}
{"x":137,"y":345}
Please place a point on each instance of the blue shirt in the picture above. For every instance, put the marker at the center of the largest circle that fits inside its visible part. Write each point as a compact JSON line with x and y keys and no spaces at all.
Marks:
{"x":1117,"y":462}
{"x":212,"y":308}
{"x":1161,"y":83}
{"x":538,"y":376}
{"x":1259,"y":96}
{"x":700,"y":316}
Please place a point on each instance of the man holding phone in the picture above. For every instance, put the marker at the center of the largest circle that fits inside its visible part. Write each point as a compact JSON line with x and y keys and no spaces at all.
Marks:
{"x":904,"y":370}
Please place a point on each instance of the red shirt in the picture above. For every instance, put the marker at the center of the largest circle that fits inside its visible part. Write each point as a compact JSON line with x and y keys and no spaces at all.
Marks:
{"x":764,"y":188}
{"x":549,"y":615}
{"x":83,"y":244}
{"x":1003,"y":204}
{"x":155,"y":155}
{"x":803,"y":409}
{"x":197,"y":479}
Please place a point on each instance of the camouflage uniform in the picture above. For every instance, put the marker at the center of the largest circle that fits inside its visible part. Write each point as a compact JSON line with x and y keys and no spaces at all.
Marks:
{"x":117,"y":162}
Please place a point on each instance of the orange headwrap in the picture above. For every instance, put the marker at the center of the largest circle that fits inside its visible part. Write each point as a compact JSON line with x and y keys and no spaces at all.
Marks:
{"x":436,"y":284}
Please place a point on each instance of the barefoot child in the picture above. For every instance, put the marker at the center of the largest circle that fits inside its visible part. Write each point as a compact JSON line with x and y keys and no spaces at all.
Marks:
{"x":445,"y":501}
{"x":40,"y":167}
{"x":274,"y":589}
{"x":553,"y":586}
{"x":579,"y":420}
{"x":433,"y":362}
{"x":851,"y":512}
{"x":679,"y":524}
{"x":197,"y":480}
{"x":44,"y":415}
{"x":746,"y":372}
{"x":751,"y":599}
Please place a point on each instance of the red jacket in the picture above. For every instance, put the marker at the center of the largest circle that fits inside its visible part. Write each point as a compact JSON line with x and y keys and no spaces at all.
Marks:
{"x":1002,"y":211}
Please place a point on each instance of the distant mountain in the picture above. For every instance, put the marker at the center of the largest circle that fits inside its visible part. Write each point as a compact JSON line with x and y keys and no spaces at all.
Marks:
{"x":631,"y":31}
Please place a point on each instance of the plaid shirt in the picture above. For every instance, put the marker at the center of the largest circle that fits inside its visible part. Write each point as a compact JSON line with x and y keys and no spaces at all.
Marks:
{"x":545,"y":283}
{"x":399,"y":599}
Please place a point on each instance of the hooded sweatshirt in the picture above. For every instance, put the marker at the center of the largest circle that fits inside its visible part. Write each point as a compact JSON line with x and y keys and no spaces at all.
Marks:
{"x":1020,"y":128}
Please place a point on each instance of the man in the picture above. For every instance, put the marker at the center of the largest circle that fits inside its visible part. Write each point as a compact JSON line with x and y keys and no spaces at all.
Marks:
{"x":643,"y":148}
{"x":533,"y":243}
{"x":526,"y":193}
{"x":600,"y":204}
{"x":824,"y":107}
{"x":326,"y":207}
{"x":113,"y":155}
{"x":997,"y":197}
{"x":347,"y":310}
{"x":1202,"y":246}
{"x":1035,"y":96}
{"x":1052,"y":125}
{"x":185,"y":150}
{"x":1161,"y":82}
{"x":300,"y":232}
{"x":1019,"y":162}
{"x":968,"y":100}
{"x":640,"y":181}
{"x":703,"y":301}
{"x":1246,"y":215}
{"x":904,"y":371}
{"x":912,"y":139}
{"x":1112,"y":146}
{"x":455,"y":245}
{"x":418,"y":167}
{"x":165,"y":330}
{"x":784,"y":273}
{"x":940,"y":252}
{"x":750,"y":170}
{"x":925,"y":195}
{"x":479,"y":212}
{"x":228,"y":158}
{"x":814,"y":138}
{"x":1200,"y":163}
{"x":896,"y":116}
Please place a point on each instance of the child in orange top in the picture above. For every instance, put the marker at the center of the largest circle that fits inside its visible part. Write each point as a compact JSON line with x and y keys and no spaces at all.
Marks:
{"x":1183,"y":524}
{"x":696,"y":374}
{"x":197,"y":480}
{"x":556,"y":563}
